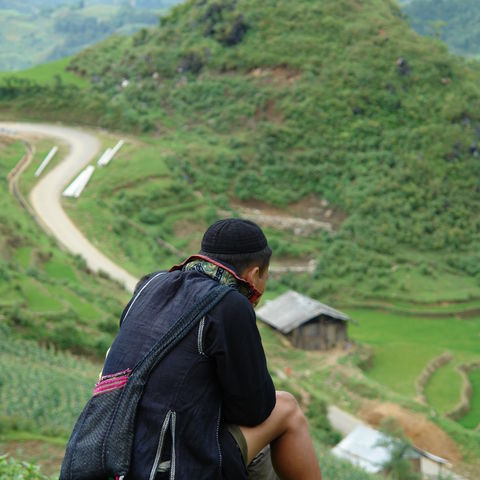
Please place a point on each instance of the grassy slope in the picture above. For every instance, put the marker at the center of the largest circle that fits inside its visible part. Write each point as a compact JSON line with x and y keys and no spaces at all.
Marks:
{"x":233,"y":119}
{"x":45,"y":74}
{"x":443,"y":391}
{"x":45,"y":293}
{"x":395,"y":337}
{"x":42,"y":390}
{"x":275,"y":119}
{"x":157,"y":202}
{"x":471,"y":419}
{"x":406,"y":344}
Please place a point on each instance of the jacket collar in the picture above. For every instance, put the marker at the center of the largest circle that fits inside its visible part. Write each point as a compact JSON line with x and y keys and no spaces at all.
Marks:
{"x":221,"y":273}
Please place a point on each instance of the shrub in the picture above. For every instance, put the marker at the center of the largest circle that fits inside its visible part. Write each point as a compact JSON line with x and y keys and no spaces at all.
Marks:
{"x":11,"y":469}
{"x":317,"y":417}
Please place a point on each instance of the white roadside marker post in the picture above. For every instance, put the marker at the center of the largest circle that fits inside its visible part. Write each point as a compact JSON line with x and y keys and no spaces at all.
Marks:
{"x":76,"y":187}
{"x":46,"y":161}
{"x":109,"y":154}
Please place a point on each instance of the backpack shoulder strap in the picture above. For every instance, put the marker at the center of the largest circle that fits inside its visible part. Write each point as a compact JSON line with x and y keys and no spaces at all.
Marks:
{"x":180,"y":329}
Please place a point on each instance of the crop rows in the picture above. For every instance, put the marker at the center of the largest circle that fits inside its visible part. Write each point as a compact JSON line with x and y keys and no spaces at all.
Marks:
{"x":40,"y":389}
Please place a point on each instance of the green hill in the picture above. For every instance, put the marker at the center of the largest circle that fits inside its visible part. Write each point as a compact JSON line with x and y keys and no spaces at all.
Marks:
{"x":331,"y":101}
{"x":456,"y":22}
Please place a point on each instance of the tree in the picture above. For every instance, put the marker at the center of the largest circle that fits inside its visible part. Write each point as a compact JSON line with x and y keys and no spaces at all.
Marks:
{"x":398,"y":466}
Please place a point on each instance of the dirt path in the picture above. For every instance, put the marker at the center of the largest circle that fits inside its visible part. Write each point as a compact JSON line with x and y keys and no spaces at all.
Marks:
{"x":301,"y":219}
{"x":45,"y":196}
{"x":422,"y":432}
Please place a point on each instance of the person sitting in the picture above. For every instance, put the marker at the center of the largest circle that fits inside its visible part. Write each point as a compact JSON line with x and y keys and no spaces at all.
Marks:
{"x":210,"y":406}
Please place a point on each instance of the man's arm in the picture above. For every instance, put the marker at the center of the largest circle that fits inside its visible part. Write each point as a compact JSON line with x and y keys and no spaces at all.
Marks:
{"x":233,"y":340}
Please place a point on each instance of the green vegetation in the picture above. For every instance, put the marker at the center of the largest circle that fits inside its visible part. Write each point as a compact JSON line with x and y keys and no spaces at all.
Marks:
{"x":11,"y":469}
{"x":50,"y":297}
{"x":443,"y":390}
{"x":312,"y":374}
{"x":46,"y":294}
{"x":456,"y":22}
{"x":394,"y":155}
{"x":404,"y":345}
{"x":398,"y":466}
{"x":42,"y":148}
{"x":41,"y":390}
{"x":315,"y":124}
{"x":44,"y":391}
{"x":47,"y":74}
{"x":471,"y":420}
{"x":335,"y":468}
{"x":136,"y":235}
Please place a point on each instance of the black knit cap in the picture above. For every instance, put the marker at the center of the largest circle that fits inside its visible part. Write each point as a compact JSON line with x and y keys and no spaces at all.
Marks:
{"x":233,"y":236}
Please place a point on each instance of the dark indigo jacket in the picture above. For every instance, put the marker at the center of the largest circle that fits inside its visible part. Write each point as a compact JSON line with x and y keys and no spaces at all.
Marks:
{"x":215,"y":376}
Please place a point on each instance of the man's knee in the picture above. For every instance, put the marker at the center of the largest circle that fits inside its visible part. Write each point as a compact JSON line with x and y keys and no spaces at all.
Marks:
{"x":290,"y":409}
{"x":286,"y":402}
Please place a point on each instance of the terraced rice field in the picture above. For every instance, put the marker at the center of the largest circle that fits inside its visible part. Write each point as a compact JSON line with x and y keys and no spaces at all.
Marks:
{"x":405,"y":344}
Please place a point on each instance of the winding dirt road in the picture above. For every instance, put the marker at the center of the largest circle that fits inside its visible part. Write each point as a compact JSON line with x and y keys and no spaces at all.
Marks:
{"x":45,"y":196}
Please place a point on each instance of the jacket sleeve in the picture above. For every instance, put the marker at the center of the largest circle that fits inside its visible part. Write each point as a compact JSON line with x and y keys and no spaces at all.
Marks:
{"x":233,"y":341}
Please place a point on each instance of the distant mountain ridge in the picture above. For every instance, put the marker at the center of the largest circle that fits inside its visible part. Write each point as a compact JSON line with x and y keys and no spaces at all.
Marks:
{"x":34,"y":31}
{"x":456,"y":22}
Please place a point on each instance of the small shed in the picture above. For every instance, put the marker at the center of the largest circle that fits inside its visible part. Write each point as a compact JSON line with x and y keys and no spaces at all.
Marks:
{"x":365,"y":448}
{"x":307,"y":323}
{"x":370,"y":450}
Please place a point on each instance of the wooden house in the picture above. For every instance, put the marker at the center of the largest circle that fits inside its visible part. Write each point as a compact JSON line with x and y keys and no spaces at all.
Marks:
{"x":307,"y":323}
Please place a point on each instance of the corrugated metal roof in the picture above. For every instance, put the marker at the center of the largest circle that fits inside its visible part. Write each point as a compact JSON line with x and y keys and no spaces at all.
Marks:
{"x":431,"y":456}
{"x":292,"y":309}
{"x":370,"y":449}
{"x":362,"y":448}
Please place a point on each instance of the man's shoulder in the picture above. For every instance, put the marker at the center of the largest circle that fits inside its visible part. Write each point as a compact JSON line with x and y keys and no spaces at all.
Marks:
{"x":234,"y":314}
{"x":235,"y":301}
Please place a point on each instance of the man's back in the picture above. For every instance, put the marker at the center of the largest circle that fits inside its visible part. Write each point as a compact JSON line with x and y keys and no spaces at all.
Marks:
{"x":216,"y":375}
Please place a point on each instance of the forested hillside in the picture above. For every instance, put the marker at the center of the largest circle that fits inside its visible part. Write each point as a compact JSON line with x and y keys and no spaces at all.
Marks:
{"x":456,"y":22}
{"x":33,"y":32}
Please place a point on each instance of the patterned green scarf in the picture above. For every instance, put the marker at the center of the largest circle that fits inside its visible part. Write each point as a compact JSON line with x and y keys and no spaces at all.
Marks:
{"x":221,"y":274}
